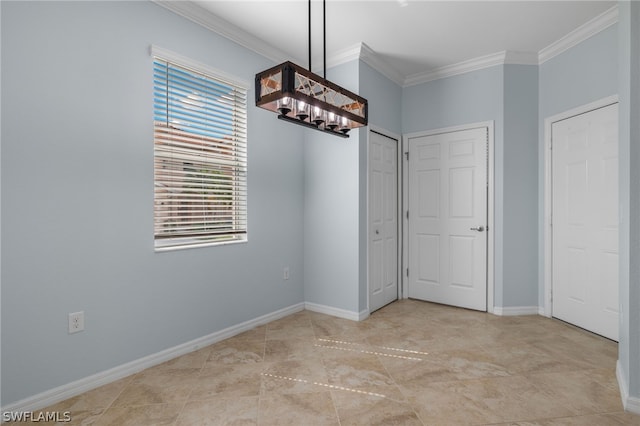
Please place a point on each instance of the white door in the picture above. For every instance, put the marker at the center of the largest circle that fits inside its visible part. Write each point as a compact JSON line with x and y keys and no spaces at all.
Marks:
{"x":585,"y":220}
{"x":383,"y":220}
{"x":448,"y":218}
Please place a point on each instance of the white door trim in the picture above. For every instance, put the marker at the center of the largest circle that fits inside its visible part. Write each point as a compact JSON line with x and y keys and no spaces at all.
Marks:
{"x":489,"y":125}
{"x":398,"y":139}
{"x":548,"y":181}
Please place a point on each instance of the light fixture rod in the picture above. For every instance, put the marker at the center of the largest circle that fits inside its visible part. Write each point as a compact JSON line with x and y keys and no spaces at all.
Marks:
{"x":310,"y":36}
{"x":324,"y":37}
{"x":301,"y":97}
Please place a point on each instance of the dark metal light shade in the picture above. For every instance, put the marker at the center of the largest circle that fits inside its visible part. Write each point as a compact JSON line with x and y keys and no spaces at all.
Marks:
{"x":302,"y":97}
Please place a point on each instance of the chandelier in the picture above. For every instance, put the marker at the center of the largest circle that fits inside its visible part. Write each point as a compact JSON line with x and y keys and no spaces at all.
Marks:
{"x":299,"y":96}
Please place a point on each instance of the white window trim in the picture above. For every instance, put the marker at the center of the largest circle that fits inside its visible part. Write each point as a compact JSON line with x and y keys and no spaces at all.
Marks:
{"x":170,"y":56}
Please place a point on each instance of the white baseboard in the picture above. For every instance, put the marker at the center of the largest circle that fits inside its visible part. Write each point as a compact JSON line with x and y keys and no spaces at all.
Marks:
{"x":337,"y":312}
{"x":515,"y":310}
{"x":630,"y":403}
{"x":85,"y":384}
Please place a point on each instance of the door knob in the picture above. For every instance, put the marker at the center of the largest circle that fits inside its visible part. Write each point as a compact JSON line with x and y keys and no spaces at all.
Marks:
{"x":479,"y":229}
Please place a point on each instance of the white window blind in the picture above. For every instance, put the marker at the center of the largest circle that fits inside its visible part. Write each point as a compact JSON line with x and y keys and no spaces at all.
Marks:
{"x":200,"y":158}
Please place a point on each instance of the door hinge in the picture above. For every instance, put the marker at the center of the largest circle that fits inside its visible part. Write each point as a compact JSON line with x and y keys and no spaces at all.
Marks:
{"x":407,"y":214}
{"x":407,"y":155}
{"x":407,"y":272}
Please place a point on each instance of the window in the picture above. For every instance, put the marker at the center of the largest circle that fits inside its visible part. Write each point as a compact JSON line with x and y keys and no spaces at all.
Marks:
{"x":200,"y":157}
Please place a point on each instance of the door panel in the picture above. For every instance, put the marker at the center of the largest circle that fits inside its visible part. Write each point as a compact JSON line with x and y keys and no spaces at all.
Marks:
{"x":383,"y":221}
{"x":448,"y":218}
{"x":585,"y":220}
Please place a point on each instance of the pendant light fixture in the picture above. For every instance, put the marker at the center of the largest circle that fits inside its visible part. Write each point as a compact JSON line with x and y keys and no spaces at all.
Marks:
{"x":299,"y":96}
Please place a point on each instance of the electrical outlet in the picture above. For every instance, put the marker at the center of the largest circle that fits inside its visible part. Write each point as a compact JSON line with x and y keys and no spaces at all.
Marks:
{"x":285,"y":273}
{"x":76,"y":322}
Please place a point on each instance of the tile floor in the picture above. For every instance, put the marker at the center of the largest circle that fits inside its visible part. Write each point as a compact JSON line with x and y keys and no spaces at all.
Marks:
{"x":410,"y":363}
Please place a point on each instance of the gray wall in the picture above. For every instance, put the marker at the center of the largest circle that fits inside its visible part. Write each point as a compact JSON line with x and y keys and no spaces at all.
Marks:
{"x":508,"y":96}
{"x":385,"y":101}
{"x":461,"y":99}
{"x":520,"y":186}
{"x":336,"y":195}
{"x":583,"y":74}
{"x":77,"y":197}
{"x":517,"y":98}
{"x":629,"y":110}
{"x":331,"y":210}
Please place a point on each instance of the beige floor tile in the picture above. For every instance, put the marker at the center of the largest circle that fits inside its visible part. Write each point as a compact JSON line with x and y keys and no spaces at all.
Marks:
{"x":409,"y":363}
{"x":357,"y":372}
{"x":236,"y":352}
{"x":518,"y":357}
{"x":368,"y":409}
{"x":158,"y":386}
{"x":157,"y":414}
{"x":294,"y":377}
{"x":332,"y":348}
{"x":412,"y":373}
{"x":229,"y":380}
{"x":610,"y":419}
{"x":430,"y":340}
{"x":483,"y":401}
{"x":445,"y":403}
{"x":573,"y":348}
{"x":220,"y":411}
{"x":297,"y":409}
{"x":291,"y":349}
{"x":516,"y":398}
{"x":581,"y":391}
{"x":296,"y":330}
{"x":85,"y":409}
{"x":390,"y":392}
{"x":340,"y":328}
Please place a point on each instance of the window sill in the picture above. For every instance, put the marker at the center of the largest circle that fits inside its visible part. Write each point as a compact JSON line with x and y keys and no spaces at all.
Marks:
{"x":198,"y":245}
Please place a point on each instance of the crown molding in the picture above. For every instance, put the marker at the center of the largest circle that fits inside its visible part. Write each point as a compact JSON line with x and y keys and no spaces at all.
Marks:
{"x":506,"y":57}
{"x":374,"y":60}
{"x":209,"y":20}
{"x":361,"y":51}
{"x":343,"y":56}
{"x":456,"y":69}
{"x":580,"y":34}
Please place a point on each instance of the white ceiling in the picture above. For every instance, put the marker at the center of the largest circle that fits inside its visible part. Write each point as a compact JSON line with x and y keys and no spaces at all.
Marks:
{"x":410,"y":38}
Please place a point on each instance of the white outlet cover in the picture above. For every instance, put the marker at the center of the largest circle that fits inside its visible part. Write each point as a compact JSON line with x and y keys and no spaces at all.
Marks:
{"x":76,"y":322}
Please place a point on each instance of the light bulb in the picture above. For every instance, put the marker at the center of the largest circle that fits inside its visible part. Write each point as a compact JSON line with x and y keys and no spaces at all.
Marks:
{"x":302,"y":110}
{"x":283,"y":105}
{"x":344,"y":125}
{"x":317,"y":116}
{"x":332,"y":120}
